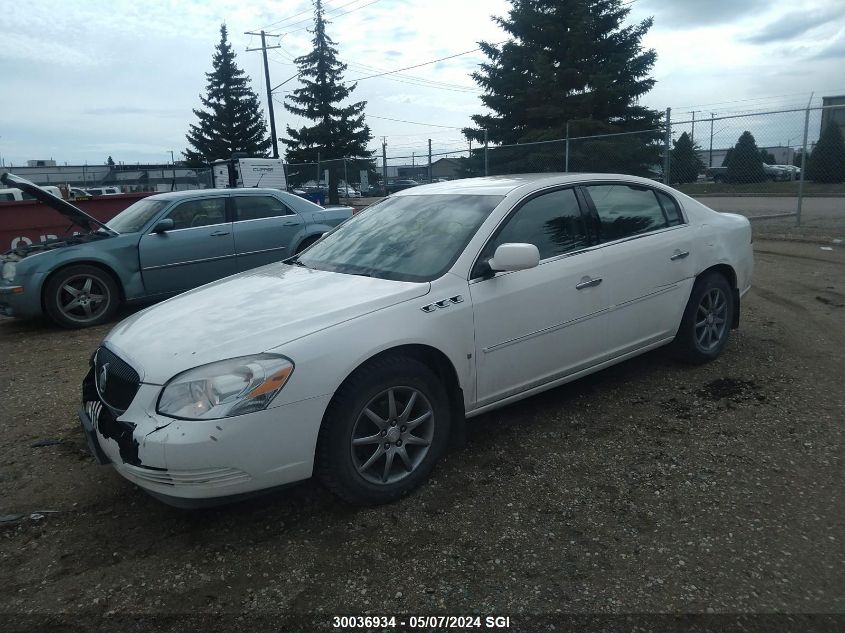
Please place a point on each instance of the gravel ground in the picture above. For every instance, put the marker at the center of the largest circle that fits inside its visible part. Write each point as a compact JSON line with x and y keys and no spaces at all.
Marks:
{"x":650,"y":487}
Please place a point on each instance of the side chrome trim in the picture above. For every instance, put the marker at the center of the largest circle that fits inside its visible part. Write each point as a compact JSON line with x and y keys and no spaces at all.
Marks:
{"x":265,"y":250}
{"x":565,"y":324}
{"x":193,"y":261}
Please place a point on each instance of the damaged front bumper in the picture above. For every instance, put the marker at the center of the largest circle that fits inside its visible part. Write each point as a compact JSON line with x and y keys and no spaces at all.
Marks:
{"x":190,"y":463}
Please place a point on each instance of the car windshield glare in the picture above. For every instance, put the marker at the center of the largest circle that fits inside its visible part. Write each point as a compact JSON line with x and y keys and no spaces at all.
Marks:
{"x":134,"y":217}
{"x":407,"y":238}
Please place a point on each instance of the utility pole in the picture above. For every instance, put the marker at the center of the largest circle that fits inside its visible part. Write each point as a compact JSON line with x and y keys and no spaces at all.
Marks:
{"x":384,"y":164}
{"x":667,"y":146}
{"x":429,"y":160}
{"x":173,"y":167}
{"x":263,"y":49}
{"x":566,"y":160}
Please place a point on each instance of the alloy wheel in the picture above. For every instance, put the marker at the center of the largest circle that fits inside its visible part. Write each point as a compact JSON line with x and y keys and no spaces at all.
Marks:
{"x":711,"y":319}
{"x":83,"y":298}
{"x":392,"y":435}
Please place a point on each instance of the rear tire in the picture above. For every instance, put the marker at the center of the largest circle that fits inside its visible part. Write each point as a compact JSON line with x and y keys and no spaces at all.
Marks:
{"x":370,"y":451}
{"x":81,"y":296}
{"x":706,"y":324}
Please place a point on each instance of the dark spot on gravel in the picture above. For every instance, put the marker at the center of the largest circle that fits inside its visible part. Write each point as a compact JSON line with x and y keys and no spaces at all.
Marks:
{"x":726,"y":388}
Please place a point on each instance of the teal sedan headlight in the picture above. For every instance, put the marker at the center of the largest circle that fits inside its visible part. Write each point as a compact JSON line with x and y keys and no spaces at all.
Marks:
{"x":9,"y":269}
{"x":226,"y":388}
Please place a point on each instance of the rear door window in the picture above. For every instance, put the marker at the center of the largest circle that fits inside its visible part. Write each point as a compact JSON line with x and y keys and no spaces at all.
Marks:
{"x":626,"y":210}
{"x":258,"y":207}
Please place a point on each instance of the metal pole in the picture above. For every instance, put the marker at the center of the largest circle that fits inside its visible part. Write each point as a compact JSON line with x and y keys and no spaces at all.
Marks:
{"x":318,"y":170}
{"x":485,"y":153}
{"x":269,"y":98}
{"x":384,"y":164}
{"x":710,"y":158}
{"x":566,"y":163}
{"x":666,"y":146}
{"x":345,"y":178}
{"x":429,"y":160}
{"x":803,"y":166}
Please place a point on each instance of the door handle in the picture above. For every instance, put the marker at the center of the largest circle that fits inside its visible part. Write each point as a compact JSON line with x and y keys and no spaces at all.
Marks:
{"x":586,"y":282}
{"x":679,"y":255}
{"x":219,"y":233}
{"x":290,"y":223}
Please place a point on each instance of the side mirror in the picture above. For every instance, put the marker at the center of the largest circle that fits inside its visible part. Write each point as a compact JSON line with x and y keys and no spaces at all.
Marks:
{"x":514,"y":257}
{"x":166,"y":224}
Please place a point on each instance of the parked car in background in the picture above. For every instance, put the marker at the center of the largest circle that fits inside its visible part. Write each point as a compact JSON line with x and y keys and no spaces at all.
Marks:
{"x":777,"y":173}
{"x":349,"y":191}
{"x":12,"y":194}
{"x":103,"y":191}
{"x":400,"y":185}
{"x":357,"y":358}
{"x":75,"y":193}
{"x":160,"y":246}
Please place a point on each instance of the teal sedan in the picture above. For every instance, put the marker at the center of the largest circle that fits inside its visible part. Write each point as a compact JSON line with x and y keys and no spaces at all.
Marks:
{"x":158,"y":247}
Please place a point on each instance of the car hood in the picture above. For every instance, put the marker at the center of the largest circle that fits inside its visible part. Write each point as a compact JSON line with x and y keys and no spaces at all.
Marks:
{"x":248,"y":313}
{"x":74,"y":214}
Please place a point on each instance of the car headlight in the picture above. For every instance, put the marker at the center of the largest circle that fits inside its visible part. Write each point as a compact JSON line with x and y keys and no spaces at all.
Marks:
{"x":226,"y":388}
{"x":9,"y":270}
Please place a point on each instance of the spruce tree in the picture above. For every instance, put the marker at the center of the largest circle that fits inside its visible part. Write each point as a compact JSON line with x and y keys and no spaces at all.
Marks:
{"x":232,"y":119}
{"x":745,"y":163}
{"x":569,"y":61}
{"x":339,"y":131}
{"x":685,"y":163}
{"x":110,"y":161}
{"x":827,"y":160}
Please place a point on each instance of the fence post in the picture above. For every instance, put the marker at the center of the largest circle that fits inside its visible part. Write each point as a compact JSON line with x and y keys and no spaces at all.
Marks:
{"x":485,"y":153}
{"x":345,"y":178}
{"x":384,"y":164}
{"x":803,"y":166}
{"x":318,"y":170}
{"x":710,"y":157}
{"x":429,"y":160}
{"x":566,"y":162}
{"x":667,"y":144}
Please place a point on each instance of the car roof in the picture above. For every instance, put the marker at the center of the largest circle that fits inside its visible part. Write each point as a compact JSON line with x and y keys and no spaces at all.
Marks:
{"x":199,"y":193}
{"x":503,"y":185}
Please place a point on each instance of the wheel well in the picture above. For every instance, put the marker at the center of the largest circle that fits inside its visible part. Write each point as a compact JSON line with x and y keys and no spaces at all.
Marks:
{"x":442,"y":367}
{"x":307,"y":241}
{"x":730,"y":275}
{"x":99,"y":265}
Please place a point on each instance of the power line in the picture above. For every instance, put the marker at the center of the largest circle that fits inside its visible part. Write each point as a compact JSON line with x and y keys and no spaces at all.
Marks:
{"x":428,"y":63}
{"x":334,"y":17}
{"x":306,"y":12}
{"x":450,"y":127}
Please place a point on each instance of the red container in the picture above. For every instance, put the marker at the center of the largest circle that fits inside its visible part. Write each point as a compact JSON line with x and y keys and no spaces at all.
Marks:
{"x":33,"y":222}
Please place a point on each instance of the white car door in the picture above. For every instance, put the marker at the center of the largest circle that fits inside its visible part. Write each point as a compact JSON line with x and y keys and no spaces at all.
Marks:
{"x":648,"y":271}
{"x":536,"y":325}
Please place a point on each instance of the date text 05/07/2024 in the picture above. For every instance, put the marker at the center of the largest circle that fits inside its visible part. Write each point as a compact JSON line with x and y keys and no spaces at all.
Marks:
{"x":421,"y":621}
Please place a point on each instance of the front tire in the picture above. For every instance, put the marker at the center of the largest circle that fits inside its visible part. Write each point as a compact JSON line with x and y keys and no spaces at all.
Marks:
{"x":81,"y":296}
{"x":706,"y":325}
{"x":383,"y":432}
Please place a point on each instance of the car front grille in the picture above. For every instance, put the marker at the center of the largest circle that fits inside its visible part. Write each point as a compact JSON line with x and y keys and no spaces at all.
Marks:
{"x":117,"y":383}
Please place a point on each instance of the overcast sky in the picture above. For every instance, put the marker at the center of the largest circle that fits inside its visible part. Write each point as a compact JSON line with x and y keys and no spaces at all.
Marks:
{"x":85,"y":79}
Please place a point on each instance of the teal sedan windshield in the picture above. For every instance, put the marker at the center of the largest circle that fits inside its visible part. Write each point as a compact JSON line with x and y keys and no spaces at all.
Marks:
{"x":134,"y":217}
{"x":407,"y":238}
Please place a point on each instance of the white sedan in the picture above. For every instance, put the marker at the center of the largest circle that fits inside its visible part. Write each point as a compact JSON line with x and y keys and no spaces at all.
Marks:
{"x":356,"y":359}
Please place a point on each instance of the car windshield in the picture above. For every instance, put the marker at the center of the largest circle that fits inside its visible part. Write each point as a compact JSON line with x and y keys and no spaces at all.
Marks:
{"x":134,"y":217}
{"x":407,"y":238}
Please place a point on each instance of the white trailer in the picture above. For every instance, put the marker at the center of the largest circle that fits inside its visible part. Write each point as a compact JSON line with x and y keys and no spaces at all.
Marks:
{"x":249,"y":172}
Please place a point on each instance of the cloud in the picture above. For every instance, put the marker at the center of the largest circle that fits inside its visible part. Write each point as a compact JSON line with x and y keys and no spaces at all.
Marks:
{"x":835,"y":50}
{"x":695,"y":13}
{"x":792,"y":25}
{"x":133,"y":111}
